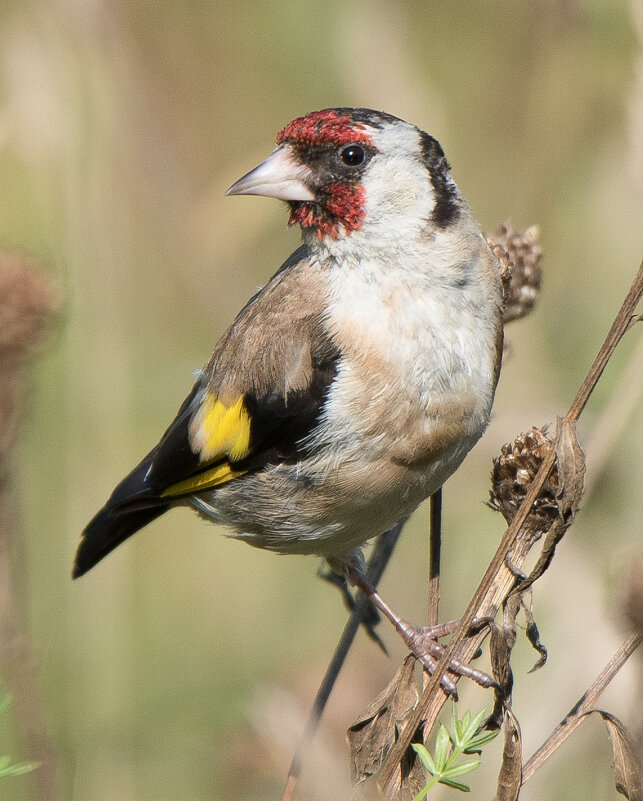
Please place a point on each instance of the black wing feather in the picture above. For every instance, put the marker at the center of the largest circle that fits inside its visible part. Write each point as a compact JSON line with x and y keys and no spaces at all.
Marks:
{"x":280,"y":423}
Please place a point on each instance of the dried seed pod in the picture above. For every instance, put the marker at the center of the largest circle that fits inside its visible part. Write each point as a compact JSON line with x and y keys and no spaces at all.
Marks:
{"x":507,"y":269}
{"x":519,"y":256}
{"x":512,"y":475}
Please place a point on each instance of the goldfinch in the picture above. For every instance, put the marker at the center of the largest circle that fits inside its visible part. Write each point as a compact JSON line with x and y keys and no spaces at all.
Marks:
{"x":355,"y":382}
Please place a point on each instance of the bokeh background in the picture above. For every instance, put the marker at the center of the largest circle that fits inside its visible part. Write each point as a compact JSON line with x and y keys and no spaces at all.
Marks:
{"x":182,"y":668}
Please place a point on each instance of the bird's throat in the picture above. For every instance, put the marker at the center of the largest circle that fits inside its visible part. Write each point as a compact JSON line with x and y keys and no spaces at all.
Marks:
{"x":341,"y":210}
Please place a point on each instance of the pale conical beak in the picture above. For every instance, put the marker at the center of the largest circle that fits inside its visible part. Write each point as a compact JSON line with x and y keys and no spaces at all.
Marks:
{"x":281,"y":175}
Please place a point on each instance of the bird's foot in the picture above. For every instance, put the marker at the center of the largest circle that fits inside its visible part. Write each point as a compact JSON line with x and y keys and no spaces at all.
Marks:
{"x":422,"y":641}
{"x":370,"y":617}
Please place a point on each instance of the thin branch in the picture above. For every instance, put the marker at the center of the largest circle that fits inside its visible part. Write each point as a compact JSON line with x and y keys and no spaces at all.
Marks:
{"x":614,"y":417}
{"x":382,"y":553}
{"x":484,"y":603}
{"x":574,"y":717}
{"x":624,"y":320}
{"x":495,"y":582}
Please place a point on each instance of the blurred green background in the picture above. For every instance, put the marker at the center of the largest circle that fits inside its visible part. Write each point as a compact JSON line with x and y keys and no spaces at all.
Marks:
{"x":182,"y":668}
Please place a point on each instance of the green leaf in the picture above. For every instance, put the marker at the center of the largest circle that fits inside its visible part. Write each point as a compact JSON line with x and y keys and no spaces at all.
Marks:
{"x":18,"y":769}
{"x":425,"y":757}
{"x":6,"y":768}
{"x":483,"y":739}
{"x":457,"y":785}
{"x":473,"y":724}
{"x":457,"y":725}
{"x":449,"y":748}
{"x":442,"y":747}
{"x":459,"y":769}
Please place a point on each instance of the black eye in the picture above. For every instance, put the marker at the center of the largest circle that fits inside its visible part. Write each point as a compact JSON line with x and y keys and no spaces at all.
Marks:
{"x":352,"y":155}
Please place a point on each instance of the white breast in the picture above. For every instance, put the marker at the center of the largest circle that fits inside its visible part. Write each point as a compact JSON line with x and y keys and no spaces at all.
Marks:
{"x":412,"y":344}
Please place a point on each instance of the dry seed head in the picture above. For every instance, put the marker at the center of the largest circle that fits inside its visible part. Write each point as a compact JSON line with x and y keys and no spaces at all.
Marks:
{"x":512,"y":475}
{"x":519,"y":256}
{"x":27,"y":299}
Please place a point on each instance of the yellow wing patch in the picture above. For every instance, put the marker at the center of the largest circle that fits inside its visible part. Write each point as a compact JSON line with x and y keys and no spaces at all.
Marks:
{"x":219,"y":430}
{"x":218,"y":433}
{"x":220,"y":474}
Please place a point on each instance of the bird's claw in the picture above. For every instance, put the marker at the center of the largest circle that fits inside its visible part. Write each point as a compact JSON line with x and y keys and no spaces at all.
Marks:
{"x":422,"y":641}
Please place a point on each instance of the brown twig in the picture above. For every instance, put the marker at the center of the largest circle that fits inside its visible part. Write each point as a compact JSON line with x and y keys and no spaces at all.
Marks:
{"x":623,"y":321}
{"x":574,"y":717}
{"x":498,"y":580}
{"x":614,"y":417}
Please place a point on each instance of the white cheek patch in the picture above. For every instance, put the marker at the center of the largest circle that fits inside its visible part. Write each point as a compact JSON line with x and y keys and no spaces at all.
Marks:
{"x":398,"y":183}
{"x":398,"y":194}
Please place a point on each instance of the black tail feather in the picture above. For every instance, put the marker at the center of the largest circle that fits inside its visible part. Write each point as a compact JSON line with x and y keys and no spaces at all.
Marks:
{"x":132,"y":505}
{"x":109,"y":528}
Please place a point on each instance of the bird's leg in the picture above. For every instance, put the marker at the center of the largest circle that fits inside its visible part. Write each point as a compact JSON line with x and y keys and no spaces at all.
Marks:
{"x":421,"y":641}
{"x":370,"y":617}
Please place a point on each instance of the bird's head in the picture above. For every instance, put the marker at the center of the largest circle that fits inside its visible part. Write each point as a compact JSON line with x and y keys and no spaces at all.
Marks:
{"x":345,"y":170}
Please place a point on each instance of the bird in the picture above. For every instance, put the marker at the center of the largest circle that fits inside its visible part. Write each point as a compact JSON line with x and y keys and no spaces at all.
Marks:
{"x":355,"y":382}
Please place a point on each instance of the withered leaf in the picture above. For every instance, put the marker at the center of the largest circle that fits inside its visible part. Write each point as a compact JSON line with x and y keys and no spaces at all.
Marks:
{"x":510,"y":776}
{"x":533,"y":635}
{"x":571,"y":468}
{"x":372,"y":735}
{"x":627,"y":771}
{"x":501,"y":643}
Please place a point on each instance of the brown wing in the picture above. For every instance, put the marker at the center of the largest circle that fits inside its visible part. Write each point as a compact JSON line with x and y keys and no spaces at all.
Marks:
{"x":258,"y":397}
{"x":264,"y":387}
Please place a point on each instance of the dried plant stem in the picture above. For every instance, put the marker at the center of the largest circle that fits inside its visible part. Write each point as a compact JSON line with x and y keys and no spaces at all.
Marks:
{"x":614,"y":417}
{"x":621,"y":324}
{"x":575,"y":716}
{"x":494,"y":587}
{"x":383,"y":550}
{"x":498,"y":580}
{"x":435,"y":548}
